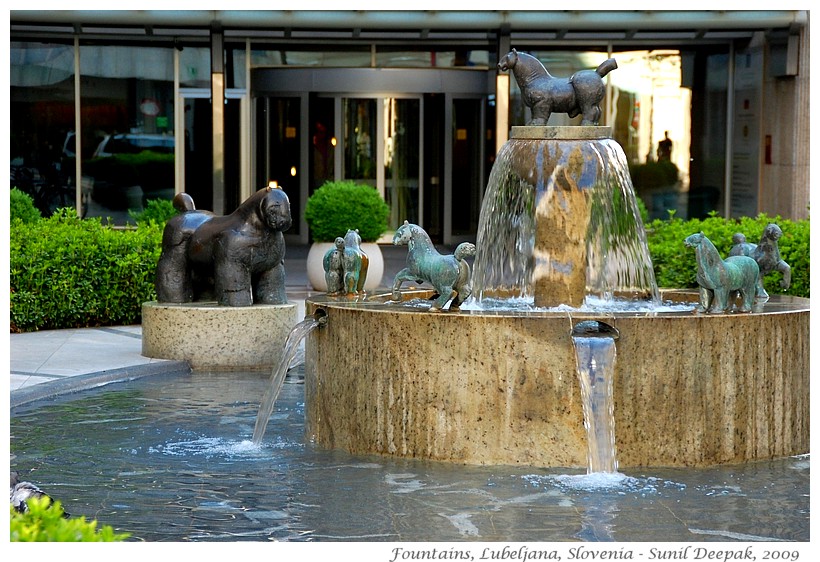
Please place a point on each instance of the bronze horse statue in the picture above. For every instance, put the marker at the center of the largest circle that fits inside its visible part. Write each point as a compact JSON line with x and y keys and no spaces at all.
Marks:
{"x":720,"y":279}
{"x":544,"y":94}
{"x":448,"y":274}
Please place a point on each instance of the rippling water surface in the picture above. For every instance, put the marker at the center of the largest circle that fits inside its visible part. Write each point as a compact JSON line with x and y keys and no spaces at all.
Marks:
{"x":170,"y":458}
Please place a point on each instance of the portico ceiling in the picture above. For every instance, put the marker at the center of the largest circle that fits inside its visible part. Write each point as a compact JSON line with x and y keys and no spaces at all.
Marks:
{"x":422,"y":24}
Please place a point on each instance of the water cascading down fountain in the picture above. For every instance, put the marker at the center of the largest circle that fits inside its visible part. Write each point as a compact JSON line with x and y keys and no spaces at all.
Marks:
{"x":560,"y":247}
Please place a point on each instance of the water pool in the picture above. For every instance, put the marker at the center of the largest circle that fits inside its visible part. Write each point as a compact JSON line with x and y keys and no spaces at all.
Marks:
{"x":170,"y":458}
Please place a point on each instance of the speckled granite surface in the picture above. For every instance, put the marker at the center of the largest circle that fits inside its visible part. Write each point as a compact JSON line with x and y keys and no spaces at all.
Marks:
{"x":209,"y":336}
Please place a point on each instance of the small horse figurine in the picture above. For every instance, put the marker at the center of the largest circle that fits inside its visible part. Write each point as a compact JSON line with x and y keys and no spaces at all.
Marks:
{"x":332,"y":262}
{"x":346,"y":265}
{"x":355,"y":263}
{"x":580,"y":94}
{"x":719,"y":279}
{"x":449,"y":274}
{"x":766,"y":254}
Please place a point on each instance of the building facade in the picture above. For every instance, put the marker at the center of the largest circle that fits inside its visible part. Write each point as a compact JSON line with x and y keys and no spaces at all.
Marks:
{"x":110,"y":109}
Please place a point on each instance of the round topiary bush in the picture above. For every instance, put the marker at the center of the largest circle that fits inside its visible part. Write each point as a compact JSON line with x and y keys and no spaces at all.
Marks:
{"x":339,"y":206}
{"x":21,"y":206}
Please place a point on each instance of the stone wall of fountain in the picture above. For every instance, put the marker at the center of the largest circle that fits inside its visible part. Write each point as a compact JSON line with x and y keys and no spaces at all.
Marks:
{"x":689,"y":390}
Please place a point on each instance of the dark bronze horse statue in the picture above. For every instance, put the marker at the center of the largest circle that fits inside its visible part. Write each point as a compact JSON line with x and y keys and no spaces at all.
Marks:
{"x":544,"y":94}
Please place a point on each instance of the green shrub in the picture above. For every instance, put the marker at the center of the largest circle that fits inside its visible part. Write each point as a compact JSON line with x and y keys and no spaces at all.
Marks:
{"x":651,"y":175}
{"x":337,"y":207}
{"x":68,"y":272}
{"x":156,"y":210}
{"x":675,"y":265}
{"x":21,"y":206}
{"x":44,"y":523}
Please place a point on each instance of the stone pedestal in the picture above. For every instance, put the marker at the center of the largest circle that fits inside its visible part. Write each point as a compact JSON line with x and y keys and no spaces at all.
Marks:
{"x":213,"y":337}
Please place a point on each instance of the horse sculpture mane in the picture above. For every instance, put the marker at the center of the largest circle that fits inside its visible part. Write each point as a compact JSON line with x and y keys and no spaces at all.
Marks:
{"x":544,"y":94}
{"x":449,"y":274}
{"x":721,"y":279}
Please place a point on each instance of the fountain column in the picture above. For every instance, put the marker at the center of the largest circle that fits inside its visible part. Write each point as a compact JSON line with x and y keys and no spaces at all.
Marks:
{"x":562,"y":221}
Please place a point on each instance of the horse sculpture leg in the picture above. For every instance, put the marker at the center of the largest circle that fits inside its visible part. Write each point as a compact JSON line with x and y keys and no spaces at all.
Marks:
{"x":402,"y":276}
{"x":445,"y":294}
{"x":706,"y":297}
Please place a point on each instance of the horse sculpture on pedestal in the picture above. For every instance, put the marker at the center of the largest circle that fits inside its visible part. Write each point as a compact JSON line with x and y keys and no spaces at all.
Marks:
{"x":721,"y":279}
{"x":544,"y":94}
{"x":449,"y":274}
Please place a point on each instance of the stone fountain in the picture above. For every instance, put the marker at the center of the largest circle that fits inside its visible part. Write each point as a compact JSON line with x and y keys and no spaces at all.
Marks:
{"x":497,"y":384}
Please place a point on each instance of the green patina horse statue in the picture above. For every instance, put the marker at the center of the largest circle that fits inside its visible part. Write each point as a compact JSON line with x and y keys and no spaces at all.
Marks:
{"x":721,"y":279}
{"x":448,"y":274}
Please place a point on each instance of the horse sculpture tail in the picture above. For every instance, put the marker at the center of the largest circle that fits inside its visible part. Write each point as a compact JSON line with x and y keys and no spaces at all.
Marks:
{"x":606,"y":67}
{"x":464,"y":250}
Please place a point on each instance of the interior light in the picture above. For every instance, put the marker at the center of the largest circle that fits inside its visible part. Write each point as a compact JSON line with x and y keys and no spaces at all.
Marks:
{"x":293,"y":171}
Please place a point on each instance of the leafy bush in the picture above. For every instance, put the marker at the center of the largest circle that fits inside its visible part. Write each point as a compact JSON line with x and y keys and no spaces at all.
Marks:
{"x":44,"y":523}
{"x":653,"y":174}
{"x":68,"y":272}
{"x":21,"y":206}
{"x":156,"y":210}
{"x":675,"y":265}
{"x":337,"y":207}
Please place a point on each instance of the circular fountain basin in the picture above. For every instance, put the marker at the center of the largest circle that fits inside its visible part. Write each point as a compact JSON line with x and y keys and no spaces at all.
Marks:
{"x":478,"y":387}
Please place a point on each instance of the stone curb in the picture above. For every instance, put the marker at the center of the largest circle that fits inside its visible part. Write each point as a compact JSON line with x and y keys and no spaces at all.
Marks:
{"x":68,"y":385}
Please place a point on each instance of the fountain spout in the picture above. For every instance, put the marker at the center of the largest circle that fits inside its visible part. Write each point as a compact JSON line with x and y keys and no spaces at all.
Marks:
{"x":595,"y":329}
{"x":320,"y":316}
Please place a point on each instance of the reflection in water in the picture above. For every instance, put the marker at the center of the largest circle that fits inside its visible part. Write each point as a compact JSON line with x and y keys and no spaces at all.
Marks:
{"x":169,"y":458}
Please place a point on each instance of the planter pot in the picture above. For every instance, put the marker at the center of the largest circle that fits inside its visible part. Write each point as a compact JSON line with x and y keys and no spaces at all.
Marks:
{"x":316,"y":271}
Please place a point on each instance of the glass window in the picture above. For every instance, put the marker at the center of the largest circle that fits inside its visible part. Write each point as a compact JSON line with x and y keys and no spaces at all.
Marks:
{"x":195,"y":67}
{"x":235,"y":66}
{"x":398,"y":58}
{"x":352,"y":58}
{"x":42,"y":123}
{"x":651,"y":119}
{"x":127,"y":109}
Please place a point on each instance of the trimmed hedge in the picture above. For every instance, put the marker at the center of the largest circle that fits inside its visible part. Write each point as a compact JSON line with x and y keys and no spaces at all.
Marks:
{"x":675,"y":265}
{"x":68,"y":272}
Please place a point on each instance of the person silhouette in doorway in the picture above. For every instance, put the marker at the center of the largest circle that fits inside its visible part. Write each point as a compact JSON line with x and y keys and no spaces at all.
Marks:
{"x":665,"y":148}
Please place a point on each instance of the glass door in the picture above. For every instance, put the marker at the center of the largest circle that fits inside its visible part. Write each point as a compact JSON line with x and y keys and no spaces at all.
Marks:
{"x":402,"y":119}
{"x":381,"y":146}
{"x":467,"y":169}
{"x":197,"y":151}
{"x":278,"y":149}
{"x":360,"y":129}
